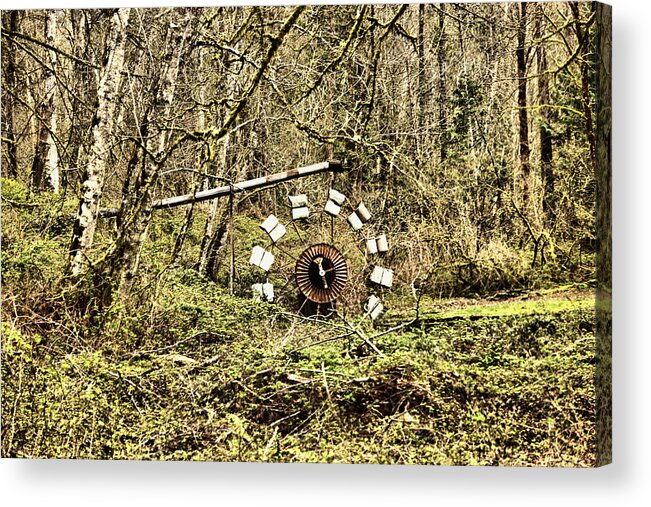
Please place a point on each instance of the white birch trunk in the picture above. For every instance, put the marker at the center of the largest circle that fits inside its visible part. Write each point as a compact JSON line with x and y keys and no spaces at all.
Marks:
{"x":52,"y":171}
{"x":125,"y":256}
{"x":45,"y":166}
{"x":103,"y":127}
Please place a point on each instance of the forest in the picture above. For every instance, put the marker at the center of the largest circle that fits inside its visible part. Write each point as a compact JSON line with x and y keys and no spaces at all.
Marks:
{"x":452,"y":198}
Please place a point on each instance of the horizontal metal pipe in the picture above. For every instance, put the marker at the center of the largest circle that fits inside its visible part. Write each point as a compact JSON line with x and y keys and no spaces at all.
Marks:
{"x":225,"y":190}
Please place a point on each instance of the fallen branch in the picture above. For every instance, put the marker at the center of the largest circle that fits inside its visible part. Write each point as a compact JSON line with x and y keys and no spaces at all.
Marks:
{"x":325,"y":340}
{"x":361,"y":335}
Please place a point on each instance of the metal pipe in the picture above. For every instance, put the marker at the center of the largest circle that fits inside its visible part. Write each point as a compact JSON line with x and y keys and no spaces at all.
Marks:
{"x":264,"y":181}
{"x":225,"y":190}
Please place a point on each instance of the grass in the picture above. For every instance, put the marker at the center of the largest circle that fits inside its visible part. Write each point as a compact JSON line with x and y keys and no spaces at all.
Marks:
{"x":515,"y":308}
{"x":185,"y":371}
{"x":220,"y":378}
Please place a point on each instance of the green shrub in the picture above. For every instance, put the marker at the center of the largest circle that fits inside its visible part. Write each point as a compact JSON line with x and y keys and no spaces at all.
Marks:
{"x":39,"y":258}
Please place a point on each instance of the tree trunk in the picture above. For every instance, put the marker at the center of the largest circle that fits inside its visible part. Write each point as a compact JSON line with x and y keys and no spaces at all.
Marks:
{"x":135,"y":214}
{"x":214,"y":212}
{"x":102,"y":130}
{"x":45,"y":166}
{"x":441,"y":58}
{"x":179,"y":241}
{"x":583,"y":40}
{"x":215,"y":223}
{"x":524,"y":151}
{"x":215,"y":243}
{"x":422,"y":85}
{"x":86,"y":89}
{"x":472,"y":145}
{"x":9,"y":130}
{"x":546,"y":147}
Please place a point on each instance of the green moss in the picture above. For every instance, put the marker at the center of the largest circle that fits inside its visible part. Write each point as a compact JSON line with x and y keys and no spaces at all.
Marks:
{"x":14,"y":191}
{"x":516,"y":308}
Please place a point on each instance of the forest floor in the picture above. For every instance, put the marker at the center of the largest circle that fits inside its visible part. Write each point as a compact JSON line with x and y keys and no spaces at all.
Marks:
{"x":522,"y":302}
{"x":502,"y":380}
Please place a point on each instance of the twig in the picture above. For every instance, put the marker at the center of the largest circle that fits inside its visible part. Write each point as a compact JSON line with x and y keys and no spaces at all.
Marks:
{"x":267,"y":447}
{"x":205,"y":363}
{"x":325,"y":340}
{"x":278,"y":421}
{"x":28,"y":205}
{"x":312,"y":370}
{"x":325,"y":382}
{"x":166,"y":347}
{"x":418,"y":294}
{"x":396,"y":328}
{"x":361,"y":335}
{"x":248,"y":390}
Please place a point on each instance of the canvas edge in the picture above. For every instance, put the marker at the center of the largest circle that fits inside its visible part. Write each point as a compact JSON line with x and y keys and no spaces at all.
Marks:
{"x":603,"y":176}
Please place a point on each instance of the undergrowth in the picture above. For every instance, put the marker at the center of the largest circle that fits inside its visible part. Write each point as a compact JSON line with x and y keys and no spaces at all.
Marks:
{"x":183,"y":370}
{"x":213,"y":377}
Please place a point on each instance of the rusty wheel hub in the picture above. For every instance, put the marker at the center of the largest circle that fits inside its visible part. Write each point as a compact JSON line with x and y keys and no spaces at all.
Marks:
{"x":321,"y":273}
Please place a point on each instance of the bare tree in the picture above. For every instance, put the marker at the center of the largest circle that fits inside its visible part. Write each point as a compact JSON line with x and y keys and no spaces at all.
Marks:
{"x":10,"y":22}
{"x":354,"y":83}
{"x":581,"y":29}
{"x":102,"y":131}
{"x":546,"y":147}
{"x":422,"y":83}
{"x":135,"y":213}
{"x":45,"y":166}
{"x":523,"y":129}
{"x":441,"y":60}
